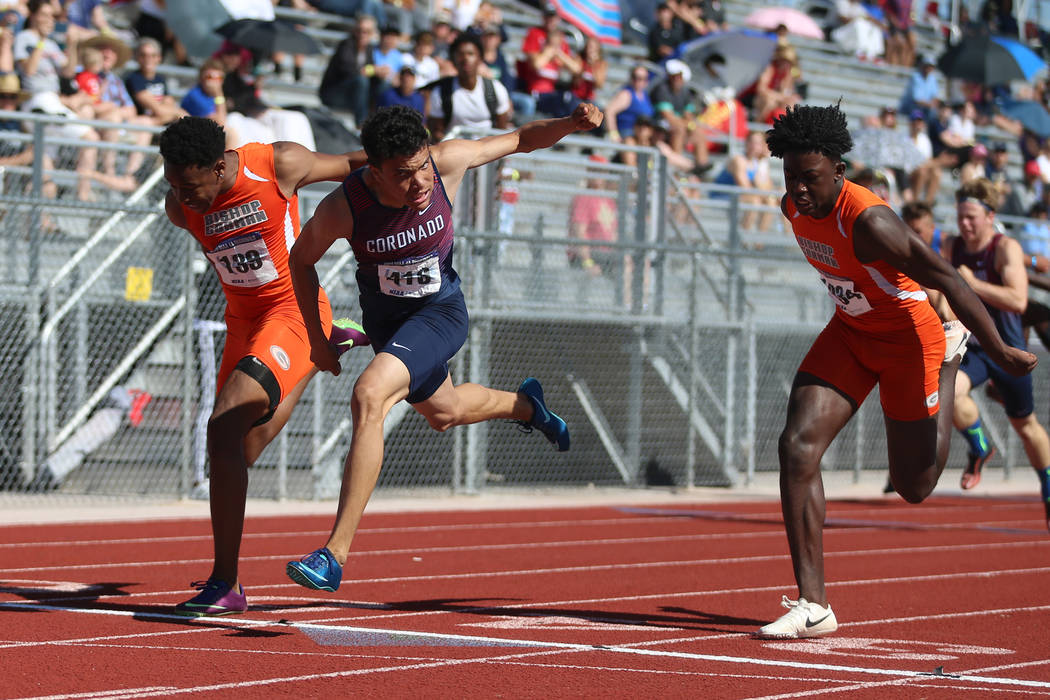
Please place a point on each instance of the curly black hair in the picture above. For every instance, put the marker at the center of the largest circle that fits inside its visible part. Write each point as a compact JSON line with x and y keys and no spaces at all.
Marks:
{"x":810,"y":129}
{"x":193,"y":141}
{"x":393,"y":132}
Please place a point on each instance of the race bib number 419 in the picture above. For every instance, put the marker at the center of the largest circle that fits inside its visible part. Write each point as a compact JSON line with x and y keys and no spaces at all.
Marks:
{"x":410,"y":278}
{"x":844,"y":294}
{"x":243,"y":261}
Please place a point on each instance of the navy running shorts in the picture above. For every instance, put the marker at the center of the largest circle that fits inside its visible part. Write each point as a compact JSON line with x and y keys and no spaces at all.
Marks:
{"x":425,"y":341}
{"x":1016,"y":391}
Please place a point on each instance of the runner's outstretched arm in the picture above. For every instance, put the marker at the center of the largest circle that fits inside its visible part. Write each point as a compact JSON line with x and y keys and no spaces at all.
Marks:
{"x":880,"y":235}
{"x":456,"y":156}
{"x":298,"y":166}
{"x":331,"y":221}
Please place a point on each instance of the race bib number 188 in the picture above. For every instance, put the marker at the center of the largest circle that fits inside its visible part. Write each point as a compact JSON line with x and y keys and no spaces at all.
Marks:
{"x":243,"y":261}
{"x":410,"y":278}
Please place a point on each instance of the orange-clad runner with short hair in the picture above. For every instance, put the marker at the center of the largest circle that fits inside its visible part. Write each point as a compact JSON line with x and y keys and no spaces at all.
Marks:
{"x":883,"y":331}
{"x":242,"y":207}
{"x":247,"y":235}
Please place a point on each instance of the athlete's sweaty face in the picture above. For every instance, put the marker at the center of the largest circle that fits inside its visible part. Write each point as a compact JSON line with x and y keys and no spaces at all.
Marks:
{"x":194,"y":187}
{"x":407,"y":181}
{"x":813,"y":182}
{"x":976,"y":224}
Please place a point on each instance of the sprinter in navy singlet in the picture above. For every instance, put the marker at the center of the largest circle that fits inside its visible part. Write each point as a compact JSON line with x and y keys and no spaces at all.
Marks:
{"x":397,"y":214}
{"x":993,"y":265}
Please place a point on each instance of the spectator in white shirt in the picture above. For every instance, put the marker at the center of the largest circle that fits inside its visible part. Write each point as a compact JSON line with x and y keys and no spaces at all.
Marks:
{"x":422,"y":60}
{"x":475,"y":101}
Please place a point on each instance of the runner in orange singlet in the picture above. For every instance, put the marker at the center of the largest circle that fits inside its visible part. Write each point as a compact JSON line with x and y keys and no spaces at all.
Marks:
{"x":242,"y":208}
{"x":883,"y":331}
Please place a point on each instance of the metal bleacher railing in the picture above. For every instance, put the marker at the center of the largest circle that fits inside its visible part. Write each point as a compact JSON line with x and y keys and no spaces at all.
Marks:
{"x":672,"y":366}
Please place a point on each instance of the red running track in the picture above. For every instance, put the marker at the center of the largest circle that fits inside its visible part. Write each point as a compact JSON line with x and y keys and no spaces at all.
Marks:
{"x":944,"y":600}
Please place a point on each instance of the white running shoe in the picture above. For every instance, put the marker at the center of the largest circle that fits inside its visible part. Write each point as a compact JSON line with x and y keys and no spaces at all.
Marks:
{"x":803,"y":619}
{"x":957,"y":336}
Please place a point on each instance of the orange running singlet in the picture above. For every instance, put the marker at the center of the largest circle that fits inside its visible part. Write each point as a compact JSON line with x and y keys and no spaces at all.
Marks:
{"x":872,"y":297}
{"x":248,"y":233}
{"x":884,"y":330}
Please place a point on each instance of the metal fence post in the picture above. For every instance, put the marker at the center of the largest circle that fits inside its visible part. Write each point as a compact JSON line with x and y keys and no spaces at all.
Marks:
{"x":189,"y":368}
{"x":635,"y":382}
{"x":694,"y":350}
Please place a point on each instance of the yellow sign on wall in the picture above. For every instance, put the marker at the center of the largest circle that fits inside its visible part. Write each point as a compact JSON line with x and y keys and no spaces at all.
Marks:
{"x":139,"y":284}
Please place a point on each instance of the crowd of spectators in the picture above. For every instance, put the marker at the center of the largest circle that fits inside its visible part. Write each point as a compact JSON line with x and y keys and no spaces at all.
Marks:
{"x":452,"y":65}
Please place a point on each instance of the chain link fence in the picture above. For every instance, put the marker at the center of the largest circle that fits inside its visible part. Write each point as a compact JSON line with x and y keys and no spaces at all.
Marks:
{"x":671,"y":356}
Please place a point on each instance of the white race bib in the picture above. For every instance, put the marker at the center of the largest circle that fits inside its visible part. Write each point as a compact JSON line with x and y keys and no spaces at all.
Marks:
{"x":842,"y":291}
{"x":244,"y":261}
{"x":410,"y":278}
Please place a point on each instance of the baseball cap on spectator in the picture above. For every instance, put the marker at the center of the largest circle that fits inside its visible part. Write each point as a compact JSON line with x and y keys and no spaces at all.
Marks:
{"x":1032,"y":168}
{"x":999,"y":147}
{"x":677,"y":67}
{"x":550,"y":9}
{"x":407,"y":69}
{"x":979,"y":151}
{"x":927,"y":59}
{"x":917,"y":114}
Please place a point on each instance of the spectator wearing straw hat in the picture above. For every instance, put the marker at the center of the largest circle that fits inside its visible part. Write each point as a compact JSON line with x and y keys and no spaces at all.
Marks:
{"x":775,"y":88}
{"x":115,"y":53}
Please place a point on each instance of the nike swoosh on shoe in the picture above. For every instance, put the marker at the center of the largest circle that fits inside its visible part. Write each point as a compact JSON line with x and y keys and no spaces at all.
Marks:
{"x":814,"y":623}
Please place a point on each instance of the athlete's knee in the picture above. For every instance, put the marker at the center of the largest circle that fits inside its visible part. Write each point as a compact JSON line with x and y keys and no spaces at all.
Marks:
{"x":367,"y":399}
{"x":916,"y":490}
{"x":799,"y":456}
{"x":225,"y":438}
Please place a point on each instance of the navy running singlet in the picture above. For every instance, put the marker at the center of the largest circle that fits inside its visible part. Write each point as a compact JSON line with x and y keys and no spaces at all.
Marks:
{"x":1008,"y":323}
{"x":404,"y":256}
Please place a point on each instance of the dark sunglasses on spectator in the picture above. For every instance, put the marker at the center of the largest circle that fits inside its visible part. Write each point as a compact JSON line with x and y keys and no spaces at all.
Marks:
{"x":9,"y":95}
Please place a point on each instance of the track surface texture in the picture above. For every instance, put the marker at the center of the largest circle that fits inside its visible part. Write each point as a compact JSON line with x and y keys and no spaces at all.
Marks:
{"x":947,"y":599}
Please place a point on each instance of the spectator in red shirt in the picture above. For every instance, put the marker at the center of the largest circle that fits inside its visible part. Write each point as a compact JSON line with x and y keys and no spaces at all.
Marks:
{"x":593,"y":69}
{"x":593,"y":220}
{"x":547,"y":54}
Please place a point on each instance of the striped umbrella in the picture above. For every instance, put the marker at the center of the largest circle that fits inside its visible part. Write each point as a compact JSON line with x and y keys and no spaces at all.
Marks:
{"x":597,"y":18}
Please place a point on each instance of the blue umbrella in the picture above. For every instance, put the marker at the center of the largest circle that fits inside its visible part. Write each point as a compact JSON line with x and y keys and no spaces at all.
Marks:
{"x":1032,"y":115}
{"x":990,"y":60}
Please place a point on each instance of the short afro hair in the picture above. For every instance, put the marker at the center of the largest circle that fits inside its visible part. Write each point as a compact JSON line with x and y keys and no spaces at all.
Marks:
{"x":809,"y":129}
{"x":193,"y":141}
{"x":393,"y":132}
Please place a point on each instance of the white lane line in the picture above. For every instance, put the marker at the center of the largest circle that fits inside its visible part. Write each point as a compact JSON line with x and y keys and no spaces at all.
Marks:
{"x":566,"y":646}
{"x":495,"y":609}
{"x":575,"y":524}
{"x":408,"y":529}
{"x":537,"y":545}
{"x":1003,"y":667}
{"x":51,"y":604}
{"x":222,"y":624}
